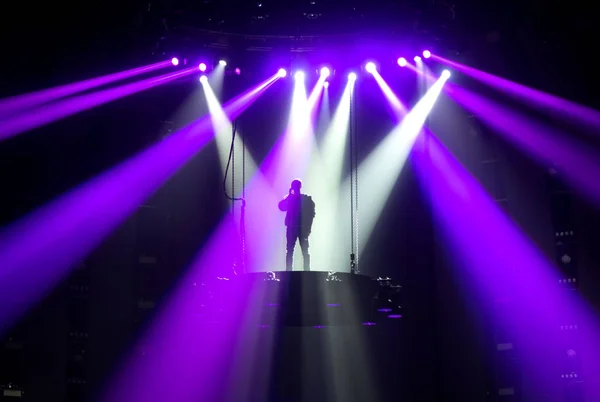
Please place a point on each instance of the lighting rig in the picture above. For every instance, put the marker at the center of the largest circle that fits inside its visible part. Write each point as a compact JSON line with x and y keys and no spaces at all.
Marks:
{"x":293,"y":65}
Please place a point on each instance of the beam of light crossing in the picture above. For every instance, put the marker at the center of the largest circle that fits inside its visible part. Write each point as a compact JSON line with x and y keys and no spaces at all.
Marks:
{"x":315,"y":95}
{"x":68,"y":107}
{"x":324,"y":176}
{"x":286,"y":161}
{"x":398,"y":108}
{"x":223,"y":134}
{"x":508,"y":277}
{"x":216,"y":78}
{"x":424,"y":75}
{"x":324,"y":118}
{"x":577,"y":163}
{"x":172,"y":335}
{"x":532,"y":97}
{"x":380,"y":170}
{"x":327,"y":249}
{"x":294,"y":141}
{"x":21,"y":103}
{"x":39,"y":250}
{"x":427,"y":78}
{"x":334,"y":143}
{"x":186,"y":350}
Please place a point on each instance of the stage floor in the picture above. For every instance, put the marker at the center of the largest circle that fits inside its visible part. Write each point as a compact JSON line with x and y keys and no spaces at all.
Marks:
{"x":300,"y":298}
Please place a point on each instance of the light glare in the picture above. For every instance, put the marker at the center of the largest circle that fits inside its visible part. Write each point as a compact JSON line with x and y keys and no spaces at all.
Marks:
{"x":326,"y":84}
{"x":222,"y":63}
{"x":417,"y":59}
{"x":175,"y":61}
{"x":299,"y":75}
{"x":446,"y":74}
{"x":371,"y":68}
{"x":402,"y":62}
{"x":202,"y":67}
{"x":325,"y":72}
{"x":282,"y":72}
{"x":352,"y":77}
{"x":382,"y":166}
{"x":426,"y":54}
{"x":203,"y":79}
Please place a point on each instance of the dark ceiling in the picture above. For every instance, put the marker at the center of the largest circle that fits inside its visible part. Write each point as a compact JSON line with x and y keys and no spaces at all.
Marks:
{"x":63,"y":35}
{"x":308,"y":17}
{"x":302,"y":19}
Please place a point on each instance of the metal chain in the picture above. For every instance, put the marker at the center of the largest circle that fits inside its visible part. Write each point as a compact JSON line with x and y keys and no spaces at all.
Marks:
{"x":243,"y":211}
{"x":233,"y":132}
{"x":352,"y":173}
{"x":353,"y":122}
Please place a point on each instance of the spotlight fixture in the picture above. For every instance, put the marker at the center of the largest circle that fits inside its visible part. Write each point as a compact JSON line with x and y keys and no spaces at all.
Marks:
{"x":281,"y":73}
{"x":326,"y":84}
{"x":402,"y":62}
{"x":426,"y":54}
{"x":417,"y":59}
{"x":370,"y":67}
{"x":203,"y":79}
{"x":352,"y":77}
{"x":202,"y":67}
{"x":446,"y":74}
{"x":325,"y":72}
{"x":238,"y":71}
{"x":299,"y":75}
{"x":222,"y":63}
{"x":175,"y":61}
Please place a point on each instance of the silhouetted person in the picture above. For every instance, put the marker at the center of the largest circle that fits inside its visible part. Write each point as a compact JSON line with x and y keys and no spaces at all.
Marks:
{"x":298,"y":220}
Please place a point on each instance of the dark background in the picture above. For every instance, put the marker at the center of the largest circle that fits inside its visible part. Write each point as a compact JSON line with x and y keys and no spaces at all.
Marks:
{"x":443,"y":351}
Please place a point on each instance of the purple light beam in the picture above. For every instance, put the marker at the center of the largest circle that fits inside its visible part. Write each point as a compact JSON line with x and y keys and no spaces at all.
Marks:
{"x":532,"y":97}
{"x":38,"y":251}
{"x":20,"y":103}
{"x":288,"y":159}
{"x":189,"y":354}
{"x":572,"y":160}
{"x":498,"y":263}
{"x":398,"y":108}
{"x":53,"y":112}
{"x":173,"y":336}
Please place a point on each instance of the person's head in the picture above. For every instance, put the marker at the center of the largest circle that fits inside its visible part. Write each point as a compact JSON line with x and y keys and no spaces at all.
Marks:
{"x":296,"y":186}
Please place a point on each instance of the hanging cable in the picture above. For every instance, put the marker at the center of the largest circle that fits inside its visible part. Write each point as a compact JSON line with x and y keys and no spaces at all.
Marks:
{"x":230,"y":163}
{"x":355,"y":154}
{"x":352,"y":173}
{"x":232,"y":150}
{"x":243,"y":211}
{"x":239,"y":264}
{"x":243,"y":167}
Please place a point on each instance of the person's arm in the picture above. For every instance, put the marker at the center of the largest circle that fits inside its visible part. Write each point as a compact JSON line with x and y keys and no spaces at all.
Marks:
{"x":283,"y":204}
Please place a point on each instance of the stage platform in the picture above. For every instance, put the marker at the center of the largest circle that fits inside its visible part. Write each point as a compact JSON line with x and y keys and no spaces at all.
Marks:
{"x":298,"y":298}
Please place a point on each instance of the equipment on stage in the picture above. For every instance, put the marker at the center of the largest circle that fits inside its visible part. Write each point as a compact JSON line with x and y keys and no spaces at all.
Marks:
{"x":299,"y":298}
